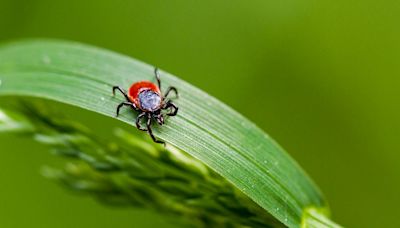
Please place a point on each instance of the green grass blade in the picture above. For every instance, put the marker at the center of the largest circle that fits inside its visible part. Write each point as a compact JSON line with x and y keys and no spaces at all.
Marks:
{"x":207,"y":129}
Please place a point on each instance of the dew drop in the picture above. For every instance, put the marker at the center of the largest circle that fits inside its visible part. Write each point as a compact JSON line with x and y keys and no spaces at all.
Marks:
{"x":102,"y":98}
{"x":46,"y":59}
{"x":1,"y":82}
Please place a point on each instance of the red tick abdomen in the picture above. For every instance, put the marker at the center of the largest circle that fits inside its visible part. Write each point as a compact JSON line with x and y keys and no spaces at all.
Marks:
{"x":138,"y":87}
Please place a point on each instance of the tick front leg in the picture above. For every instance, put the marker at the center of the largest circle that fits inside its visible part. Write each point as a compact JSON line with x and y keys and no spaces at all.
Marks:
{"x":139,"y":117}
{"x":171,"y":88}
{"x":174,"y":110}
{"x":120,"y":90}
{"x":151,"y":132}
{"x":123,"y":104}
{"x":157,"y":74}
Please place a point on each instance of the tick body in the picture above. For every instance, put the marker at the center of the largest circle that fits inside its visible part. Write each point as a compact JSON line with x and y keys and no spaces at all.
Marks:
{"x":147,"y":98}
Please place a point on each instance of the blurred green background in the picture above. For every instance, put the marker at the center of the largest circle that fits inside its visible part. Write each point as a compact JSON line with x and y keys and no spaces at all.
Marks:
{"x":321,"y":77}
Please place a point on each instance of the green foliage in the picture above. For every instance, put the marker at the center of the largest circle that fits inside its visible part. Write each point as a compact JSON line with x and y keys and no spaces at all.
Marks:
{"x":132,"y":171}
{"x":205,"y":128}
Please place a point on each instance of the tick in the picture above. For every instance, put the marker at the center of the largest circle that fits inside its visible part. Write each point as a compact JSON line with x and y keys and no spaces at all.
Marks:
{"x":147,"y":98}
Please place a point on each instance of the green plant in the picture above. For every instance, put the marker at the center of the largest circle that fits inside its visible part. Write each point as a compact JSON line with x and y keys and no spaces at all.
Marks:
{"x":206,"y":129}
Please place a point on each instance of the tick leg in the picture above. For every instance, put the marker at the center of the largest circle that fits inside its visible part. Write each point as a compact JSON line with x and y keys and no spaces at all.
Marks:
{"x":121,"y":90}
{"x":140,"y":116}
{"x":157,"y":74}
{"x":151,"y":132}
{"x":171,"y":88}
{"x":174,"y":110}
{"x":124,"y":104}
{"x":160,"y":119}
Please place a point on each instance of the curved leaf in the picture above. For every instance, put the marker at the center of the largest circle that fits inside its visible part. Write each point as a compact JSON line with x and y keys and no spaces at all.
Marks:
{"x":207,"y":129}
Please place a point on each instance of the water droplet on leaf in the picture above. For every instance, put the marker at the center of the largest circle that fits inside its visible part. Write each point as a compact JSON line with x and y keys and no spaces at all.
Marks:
{"x":46,"y":59}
